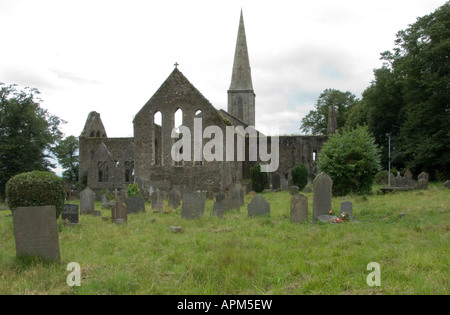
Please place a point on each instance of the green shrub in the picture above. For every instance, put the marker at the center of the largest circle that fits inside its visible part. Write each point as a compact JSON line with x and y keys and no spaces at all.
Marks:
{"x":36,"y":189}
{"x":133,"y":190}
{"x":351,"y":159}
{"x":300,"y":176}
{"x":259,"y":179}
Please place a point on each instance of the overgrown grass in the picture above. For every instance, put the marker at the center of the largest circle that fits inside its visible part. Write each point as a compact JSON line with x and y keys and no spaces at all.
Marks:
{"x":241,"y":255}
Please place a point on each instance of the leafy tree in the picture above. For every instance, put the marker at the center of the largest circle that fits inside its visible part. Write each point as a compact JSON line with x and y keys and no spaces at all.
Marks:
{"x":66,"y":153}
{"x":28,"y":133}
{"x":316,"y":121}
{"x":351,"y":159}
{"x":421,"y":66}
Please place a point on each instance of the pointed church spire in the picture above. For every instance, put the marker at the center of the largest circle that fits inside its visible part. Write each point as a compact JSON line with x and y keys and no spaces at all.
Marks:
{"x":241,"y":78}
{"x":241,"y":97}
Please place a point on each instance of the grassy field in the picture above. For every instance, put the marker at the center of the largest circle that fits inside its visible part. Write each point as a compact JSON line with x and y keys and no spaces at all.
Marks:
{"x":241,"y":255}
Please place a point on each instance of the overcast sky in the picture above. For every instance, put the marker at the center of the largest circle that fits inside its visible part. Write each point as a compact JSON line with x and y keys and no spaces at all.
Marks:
{"x":112,"y":56}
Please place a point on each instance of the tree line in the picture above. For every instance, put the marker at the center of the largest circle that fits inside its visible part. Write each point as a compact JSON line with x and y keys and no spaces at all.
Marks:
{"x":408,"y":101}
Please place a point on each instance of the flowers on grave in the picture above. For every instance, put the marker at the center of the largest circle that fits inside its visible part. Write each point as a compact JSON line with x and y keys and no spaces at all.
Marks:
{"x":342,"y":217}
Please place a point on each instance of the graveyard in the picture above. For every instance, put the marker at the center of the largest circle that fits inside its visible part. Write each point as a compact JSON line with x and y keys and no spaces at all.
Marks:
{"x":162,"y":252}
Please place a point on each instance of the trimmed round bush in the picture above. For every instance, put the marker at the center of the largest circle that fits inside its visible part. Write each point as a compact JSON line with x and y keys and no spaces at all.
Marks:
{"x":300,"y":176}
{"x":259,"y":179}
{"x":36,"y":189}
{"x":351,"y":159}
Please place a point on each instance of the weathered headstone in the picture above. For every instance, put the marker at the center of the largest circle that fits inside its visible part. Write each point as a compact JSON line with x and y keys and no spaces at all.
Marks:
{"x":409,"y":181}
{"x":276,"y":181}
{"x":399,"y":181}
{"x":135,"y":205}
{"x":299,"y":208}
{"x":258,"y":206}
{"x":97,"y":213}
{"x":423,"y":175}
{"x":174,"y":198}
{"x":70,"y":212}
{"x":218,"y":209}
{"x":87,"y":201}
{"x":322,"y":195}
{"x":157,"y":201}
{"x":422,"y":184}
{"x":193,"y":205}
{"x":104,"y":199}
{"x":347,"y":206}
{"x":447,"y":184}
{"x":36,"y":232}
{"x":119,"y":213}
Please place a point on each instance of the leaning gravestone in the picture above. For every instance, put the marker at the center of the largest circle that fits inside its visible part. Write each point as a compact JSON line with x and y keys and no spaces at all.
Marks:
{"x":322,"y":195}
{"x":347,"y":206}
{"x":193,"y":205}
{"x":87,"y":201}
{"x":135,"y":205}
{"x":70,"y":212}
{"x":157,"y":200}
{"x":299,"y":207}
{"x":36,"y":232}
{"x":258,"y":206}
{"x":119,"y":213}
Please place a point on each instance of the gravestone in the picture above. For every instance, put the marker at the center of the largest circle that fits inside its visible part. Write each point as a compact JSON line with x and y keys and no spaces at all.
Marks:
{"x":322,"y":195}
{"x":422,"y":184}
{"x":193,"y":205}
{"x":119,"y":213}
{"x":237,"y":193}
{"x":276,"y":181}
{"x":258,"y":206}
{"x":299,"y":208}
{"x":409,"y":181}
{"x":218,"y":209}
{"x":423,"y":175}
{"x":135,"y":205}
{"x":174,"y":198}
{"x":447,"y":184}
{"x":70,"y":212}
{"x":293,"y":190}
{"x":36,"y":232}
{"x":97,"y":213}
{"x":104,"y":199}
{"x":157,"y":201}
{"x":347,"y":206}
{"x":399,"y":181}
{"x":87,"y":201}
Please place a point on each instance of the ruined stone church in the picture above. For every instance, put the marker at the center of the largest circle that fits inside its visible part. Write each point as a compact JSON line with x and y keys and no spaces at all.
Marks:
{"x":113,"y":163}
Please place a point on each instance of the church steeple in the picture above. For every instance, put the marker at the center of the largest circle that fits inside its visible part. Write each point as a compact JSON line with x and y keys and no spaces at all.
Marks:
{"x":241,"y":97}
{"x":241,"y":78}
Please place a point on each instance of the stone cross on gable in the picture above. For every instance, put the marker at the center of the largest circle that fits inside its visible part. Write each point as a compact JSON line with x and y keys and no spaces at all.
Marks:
{"x":176,"y":64}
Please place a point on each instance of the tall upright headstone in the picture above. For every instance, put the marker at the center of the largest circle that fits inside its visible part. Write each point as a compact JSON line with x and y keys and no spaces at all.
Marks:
{"x":36,"y":232}
{"x":119,"y":213}
{"x":157,"y":200}
{"x":322,"y":195}
{"x":174,"y":198}
{"x":276,"y":181}
{"x":299,"y":208}
{"x":87,"y":201}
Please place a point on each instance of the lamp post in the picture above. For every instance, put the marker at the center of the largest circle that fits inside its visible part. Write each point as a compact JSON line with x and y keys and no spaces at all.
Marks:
{"x":389,"y":159}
